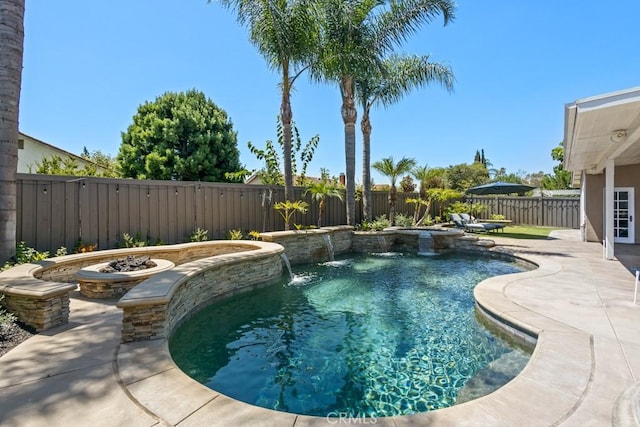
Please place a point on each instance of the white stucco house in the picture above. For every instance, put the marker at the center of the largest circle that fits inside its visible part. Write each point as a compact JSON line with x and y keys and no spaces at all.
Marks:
{"x":32,"y":150}
{"x":602,"y":149}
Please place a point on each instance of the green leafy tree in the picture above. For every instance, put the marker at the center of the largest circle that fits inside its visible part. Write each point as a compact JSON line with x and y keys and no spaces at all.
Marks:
{"x":479,"y":158}
{"x":431,"y":195}
{"x":399,"y":76}
{"x":68,"y":166}
{"x":11,"y":51}
{"x":534,"y":178}
{"x":407,"y":185}
{"x":429,"y":178}
{"x":504,"y":176}
{"x":180,"y":136}
{"x":108,"y":163}
{"x":355,"y":36}
{"x":463,"y":176}
{"x":284,"y":34}
{"x":56,"y":165}
{"x":393,"y":170}
{"x":271,"y":174}
{"x":561,"y":178}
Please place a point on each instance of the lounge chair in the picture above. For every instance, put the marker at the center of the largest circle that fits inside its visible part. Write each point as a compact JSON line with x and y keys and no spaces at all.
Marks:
{"x":468,"y":219}
{"x":473,"y":226}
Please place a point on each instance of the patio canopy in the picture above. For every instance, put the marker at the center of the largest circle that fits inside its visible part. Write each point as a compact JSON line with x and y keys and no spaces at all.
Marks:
{"x":499,"y":188}
{"x":600,"y":128}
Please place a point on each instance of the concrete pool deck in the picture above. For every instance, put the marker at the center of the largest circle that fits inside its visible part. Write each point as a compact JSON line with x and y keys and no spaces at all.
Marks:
{"x":588,"y":355}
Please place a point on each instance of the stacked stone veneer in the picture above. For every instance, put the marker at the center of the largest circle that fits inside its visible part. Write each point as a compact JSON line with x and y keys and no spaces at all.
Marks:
{"x":374,"y":241}
{"x":38,"y":293}
{"x":40,"y":312}
{"x":154,"y":308}
{"x":305,"y":246}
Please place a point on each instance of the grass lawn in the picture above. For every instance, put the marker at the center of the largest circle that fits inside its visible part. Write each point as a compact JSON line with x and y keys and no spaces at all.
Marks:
{"x":526,"y":232}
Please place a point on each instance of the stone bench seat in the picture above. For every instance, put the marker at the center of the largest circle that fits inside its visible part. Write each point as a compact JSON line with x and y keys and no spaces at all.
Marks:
{"x":38,"y":293}
{"x":40,"y":304}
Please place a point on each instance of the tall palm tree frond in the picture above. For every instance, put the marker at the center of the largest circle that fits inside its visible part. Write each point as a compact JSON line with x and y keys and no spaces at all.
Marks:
{"x":391,"y":169}
{"x":403,"y":18}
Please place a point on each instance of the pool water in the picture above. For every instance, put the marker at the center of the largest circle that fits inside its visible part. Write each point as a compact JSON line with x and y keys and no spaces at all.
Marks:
{"x":369,"y":335}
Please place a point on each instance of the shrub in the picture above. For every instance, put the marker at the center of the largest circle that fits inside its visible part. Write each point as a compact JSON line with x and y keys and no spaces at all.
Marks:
{"x":6,"y":318}
{"x":254,"y":235}
{"x":81,"y":247}
{"x":235,"y":234}
{"x":497,"y":217}
{"x":199,"y":235}
{"x":62,"y":251}
{"x":403,"y":220}
{"x":287,"y":208}
{"x":458,"y":207}
{"x":128,"y":241}
{"x":378,"y":224}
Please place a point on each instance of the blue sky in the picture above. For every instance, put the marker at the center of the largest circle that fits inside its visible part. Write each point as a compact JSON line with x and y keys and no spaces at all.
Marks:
{"x":88,"y":65}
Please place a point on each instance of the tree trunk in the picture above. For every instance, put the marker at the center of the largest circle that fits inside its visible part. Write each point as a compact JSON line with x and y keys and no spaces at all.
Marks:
{"x":285,"y":117}
{"x":393,"y":197}
{"x":267,"y":205}
{"x":320,"y":212}
{"x":349,"y":117}
{"x":11,"y":50}
{"x":365,"y":125}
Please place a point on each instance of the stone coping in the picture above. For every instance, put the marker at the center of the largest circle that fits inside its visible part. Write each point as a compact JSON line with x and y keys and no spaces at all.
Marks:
{"x":93,"y":274}
{"x":160,"y":288}
{"x":434,"y":231}
{"x":20,"y":280}
{"x":293,"y":233}
{"x":25,"y":279}
{"x":548,"y":390}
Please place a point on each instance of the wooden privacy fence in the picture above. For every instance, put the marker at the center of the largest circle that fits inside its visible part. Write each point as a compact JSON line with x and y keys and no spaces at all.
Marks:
{"x":545,"y":211}
{"x":55,"y":211}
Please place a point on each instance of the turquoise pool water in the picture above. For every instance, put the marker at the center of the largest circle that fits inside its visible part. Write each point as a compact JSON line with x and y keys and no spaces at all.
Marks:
{"x":366,"y":335}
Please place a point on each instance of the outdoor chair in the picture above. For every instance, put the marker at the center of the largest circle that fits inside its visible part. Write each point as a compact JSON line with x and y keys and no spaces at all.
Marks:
{"x":471,"y":226}
{"x":468,"y":219}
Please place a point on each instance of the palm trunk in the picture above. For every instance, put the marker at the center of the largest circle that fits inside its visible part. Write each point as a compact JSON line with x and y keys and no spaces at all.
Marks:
{"x":267,"y":205}
{"x":285,"y":117}
{"x":393,"y":196}
{"x":320,"y":212}
{"x":365,"y":126}
{"x":11,"y":50}
{"x":349,"y":117}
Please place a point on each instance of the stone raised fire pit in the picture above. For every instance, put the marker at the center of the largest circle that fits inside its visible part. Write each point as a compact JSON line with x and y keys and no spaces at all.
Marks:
{"x":96,"y":284}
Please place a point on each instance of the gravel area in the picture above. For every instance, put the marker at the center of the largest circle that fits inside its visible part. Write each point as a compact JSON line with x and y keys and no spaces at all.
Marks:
{"x":12,"y":334}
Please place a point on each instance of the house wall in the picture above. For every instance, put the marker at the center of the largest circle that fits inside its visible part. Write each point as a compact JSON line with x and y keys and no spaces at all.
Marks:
{"x":32,"y":151}
{"x":625,"y":176}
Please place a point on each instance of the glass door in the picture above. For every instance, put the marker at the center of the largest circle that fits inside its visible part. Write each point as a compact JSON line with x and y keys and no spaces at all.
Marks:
{"x":623,"y":212}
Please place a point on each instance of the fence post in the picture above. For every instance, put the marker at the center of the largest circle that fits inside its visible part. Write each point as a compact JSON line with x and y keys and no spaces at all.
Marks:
{"x":541,"y":210}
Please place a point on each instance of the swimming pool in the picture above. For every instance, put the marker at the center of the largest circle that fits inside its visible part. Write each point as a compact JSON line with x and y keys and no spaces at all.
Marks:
{"x":368,"y":335}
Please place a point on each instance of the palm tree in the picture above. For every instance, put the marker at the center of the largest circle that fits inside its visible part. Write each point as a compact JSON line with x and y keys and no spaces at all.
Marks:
{"x":354,"y":37}
{"x":400,"y":75}
{"x":11,"y":51}
{"x":319,"y":192}
{"x":393,"y":170}
{"x":284,"y":33}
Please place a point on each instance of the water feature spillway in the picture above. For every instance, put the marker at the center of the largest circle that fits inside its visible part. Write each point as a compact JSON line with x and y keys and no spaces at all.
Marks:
{"x":371,"y":335}
{"x":329,"y":245}
{"x":425,"y":243}
{"x":287,"y":264}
